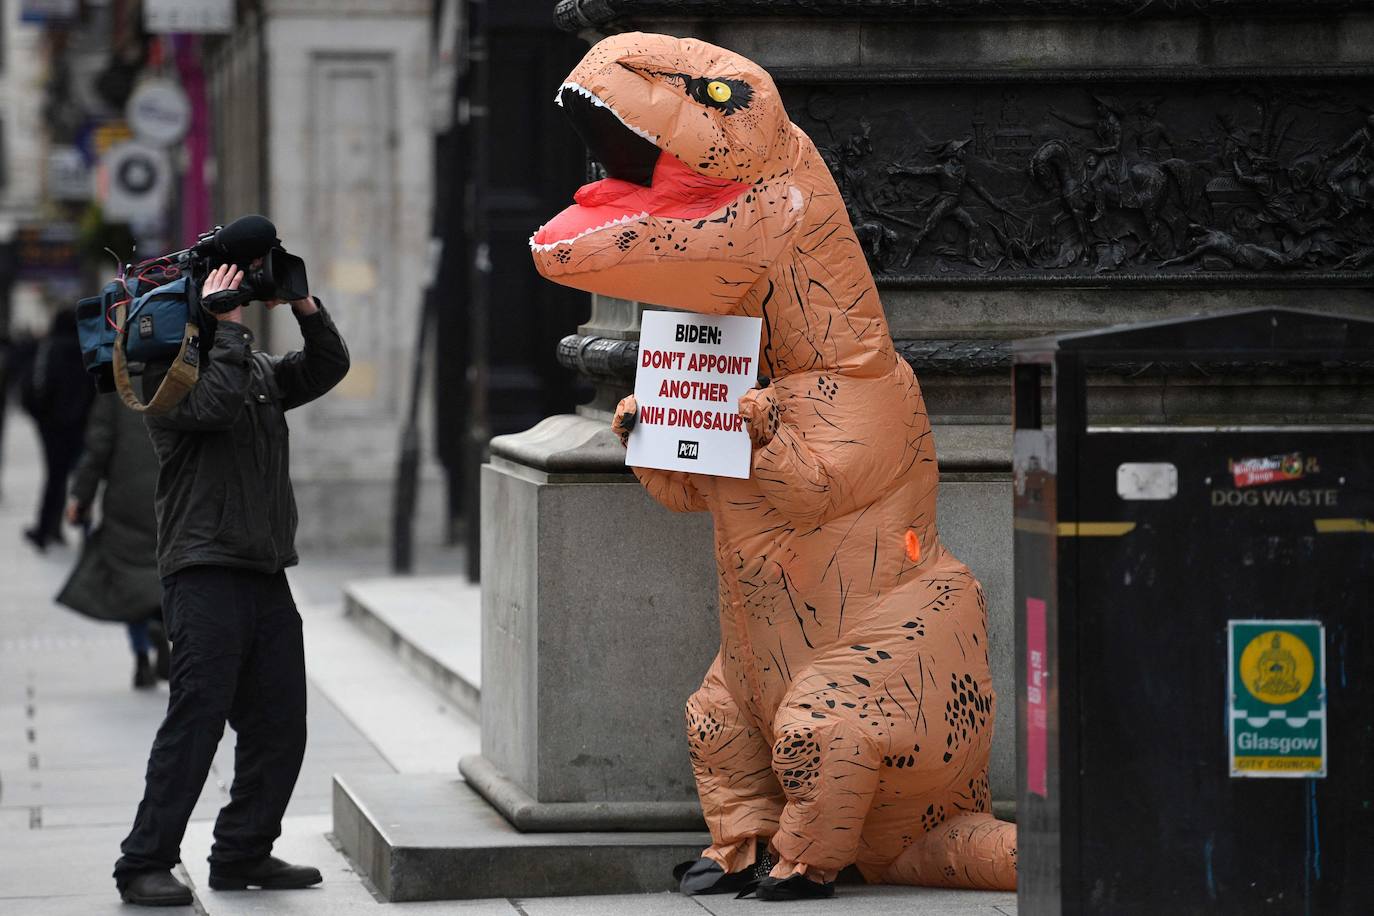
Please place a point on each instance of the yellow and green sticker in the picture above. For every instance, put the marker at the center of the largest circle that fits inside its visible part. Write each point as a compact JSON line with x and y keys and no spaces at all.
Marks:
{"x":1277,"y":710}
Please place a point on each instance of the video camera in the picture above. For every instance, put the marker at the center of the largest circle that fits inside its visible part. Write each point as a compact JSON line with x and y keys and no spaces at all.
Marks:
{"x":152,"y":313}
{"x":278,"y":275}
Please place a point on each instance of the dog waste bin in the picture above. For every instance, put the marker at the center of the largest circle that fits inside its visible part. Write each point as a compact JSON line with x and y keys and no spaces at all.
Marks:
{"x":1194,"y":563}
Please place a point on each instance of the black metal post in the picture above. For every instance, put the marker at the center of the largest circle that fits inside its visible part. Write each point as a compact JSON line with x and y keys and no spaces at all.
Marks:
{"x":479,"y":425}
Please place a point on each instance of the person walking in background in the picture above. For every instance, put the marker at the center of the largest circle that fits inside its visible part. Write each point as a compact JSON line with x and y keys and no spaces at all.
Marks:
{"x":57,"y":393}
{"x":116,"y":577}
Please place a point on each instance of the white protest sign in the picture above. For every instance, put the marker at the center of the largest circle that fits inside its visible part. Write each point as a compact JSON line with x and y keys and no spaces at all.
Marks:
{"x":692,"y":371}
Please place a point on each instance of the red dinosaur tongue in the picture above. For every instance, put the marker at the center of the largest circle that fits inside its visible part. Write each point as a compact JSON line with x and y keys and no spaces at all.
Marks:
{"x":677,"y":193}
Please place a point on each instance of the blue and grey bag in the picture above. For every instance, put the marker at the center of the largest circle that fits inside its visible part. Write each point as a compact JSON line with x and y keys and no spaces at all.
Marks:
{"x":157,"y":322}
{"x":159,"y":325}
{"x":97,"y":334}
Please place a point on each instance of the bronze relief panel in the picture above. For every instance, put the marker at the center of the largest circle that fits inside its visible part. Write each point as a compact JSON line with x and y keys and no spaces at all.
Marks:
{"x":1087,"y":181}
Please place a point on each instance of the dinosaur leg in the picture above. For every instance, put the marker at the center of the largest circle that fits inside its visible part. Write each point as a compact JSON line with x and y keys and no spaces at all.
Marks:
{"x":828,"y":768}
{"x":949,"y":838}
{"x":967,"y":850}
{"x":731,"y":759}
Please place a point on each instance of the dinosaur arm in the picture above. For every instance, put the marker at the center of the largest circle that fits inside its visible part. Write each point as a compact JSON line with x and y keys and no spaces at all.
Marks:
{"x":673,"y":489}
{"x":825,"y":455}
{"x":796,"y":480}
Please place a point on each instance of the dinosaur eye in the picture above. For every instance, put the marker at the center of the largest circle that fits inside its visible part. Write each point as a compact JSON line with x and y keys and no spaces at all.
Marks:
{"x":724,"y":95}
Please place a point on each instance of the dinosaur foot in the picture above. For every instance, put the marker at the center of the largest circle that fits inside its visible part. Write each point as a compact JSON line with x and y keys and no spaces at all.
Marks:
{"x":705,"y":876}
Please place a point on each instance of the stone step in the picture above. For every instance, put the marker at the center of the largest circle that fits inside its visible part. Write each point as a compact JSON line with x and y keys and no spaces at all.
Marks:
{"x":414,"y":727}
{"x":431,"y":837}
{"x":433,"y":624}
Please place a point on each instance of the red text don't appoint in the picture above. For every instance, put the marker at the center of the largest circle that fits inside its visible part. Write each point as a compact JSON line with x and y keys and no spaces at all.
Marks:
{"x":696,"y":362}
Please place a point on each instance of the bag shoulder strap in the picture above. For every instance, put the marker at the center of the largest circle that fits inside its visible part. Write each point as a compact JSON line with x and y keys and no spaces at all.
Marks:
{"x":176,"y":384}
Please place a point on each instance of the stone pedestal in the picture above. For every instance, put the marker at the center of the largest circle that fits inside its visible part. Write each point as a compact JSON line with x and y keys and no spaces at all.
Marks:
{"x":598,"y":620}
{"x":599,"y":612}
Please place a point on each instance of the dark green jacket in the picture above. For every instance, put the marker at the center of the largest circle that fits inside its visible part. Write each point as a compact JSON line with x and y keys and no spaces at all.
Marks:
{"x":224,"y":489}
{"x":116,"y":577}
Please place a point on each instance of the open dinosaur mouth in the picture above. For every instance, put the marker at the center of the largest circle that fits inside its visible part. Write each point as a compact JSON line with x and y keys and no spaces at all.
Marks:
{"x":644,"y":180}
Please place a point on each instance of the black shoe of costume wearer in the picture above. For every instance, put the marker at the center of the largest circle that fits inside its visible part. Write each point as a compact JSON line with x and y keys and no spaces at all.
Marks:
{"x":155,"y":888}
{"x":797,"y":887}
{"x":144,"y":675}
{"x":268,"y":873}
{"x":705,"y":876}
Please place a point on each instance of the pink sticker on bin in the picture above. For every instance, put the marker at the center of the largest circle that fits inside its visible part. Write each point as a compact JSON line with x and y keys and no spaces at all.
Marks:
{"x":1037,"y":712}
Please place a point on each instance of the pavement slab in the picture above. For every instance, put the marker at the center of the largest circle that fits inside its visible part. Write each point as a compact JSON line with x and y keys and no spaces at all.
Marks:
{"x":862,"y":900}
{"x":58,"y":862}
{"x":102,"y":904}
{"x":305,"y":841}
{"x":666,"y":904}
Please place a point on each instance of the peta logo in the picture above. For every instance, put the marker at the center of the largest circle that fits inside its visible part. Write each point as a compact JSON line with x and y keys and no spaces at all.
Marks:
{"x":686,"y":448}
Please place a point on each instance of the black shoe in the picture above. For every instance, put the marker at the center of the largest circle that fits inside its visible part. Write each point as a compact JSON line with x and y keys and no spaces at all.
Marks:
{"x":268,"y":873}
{"x":797,"y":887}
{"x":144,"y":676}
{"x":155,"y":888}
{"x":39,"y":542}
{"x":705,"y":876}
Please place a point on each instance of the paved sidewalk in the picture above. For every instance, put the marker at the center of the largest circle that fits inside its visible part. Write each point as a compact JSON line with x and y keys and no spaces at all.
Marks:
{"x":74,"y":738}
{"x":74,"y":735}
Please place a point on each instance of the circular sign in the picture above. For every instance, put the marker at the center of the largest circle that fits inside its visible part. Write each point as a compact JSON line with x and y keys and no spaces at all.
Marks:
{"x":159,"y":112}
{"x":1277,"y":667}
{"x":137,"y":174}
{"x":136,"y":182}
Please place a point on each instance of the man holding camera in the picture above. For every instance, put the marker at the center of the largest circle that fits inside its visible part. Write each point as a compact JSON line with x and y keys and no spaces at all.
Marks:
{"x":226,"y":527}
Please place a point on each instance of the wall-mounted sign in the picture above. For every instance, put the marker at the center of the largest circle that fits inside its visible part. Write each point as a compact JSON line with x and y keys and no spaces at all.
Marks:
{"x":104,"y":136}
{"x":47,"y":10}
{"x":1277,"y":686}
{"x":159,"y":112}
{"x":161,"y":16}
{"x":47,"y":251}
{"x":133,"y":182}
{"x":69,"y":178}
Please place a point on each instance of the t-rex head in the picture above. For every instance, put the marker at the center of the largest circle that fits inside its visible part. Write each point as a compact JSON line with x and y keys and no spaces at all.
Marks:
{"x":699,"y":152}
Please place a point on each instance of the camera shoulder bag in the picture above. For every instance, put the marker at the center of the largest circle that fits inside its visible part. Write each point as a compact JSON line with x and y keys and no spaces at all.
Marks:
{"x":164,"y":317}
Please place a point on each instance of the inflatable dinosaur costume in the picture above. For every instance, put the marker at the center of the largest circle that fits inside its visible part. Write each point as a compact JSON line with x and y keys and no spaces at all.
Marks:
{"x":848,"y":716}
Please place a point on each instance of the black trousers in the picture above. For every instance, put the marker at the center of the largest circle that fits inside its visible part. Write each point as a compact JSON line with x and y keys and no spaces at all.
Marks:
{"x":61,"y":449}
{"x":237,"y":656}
